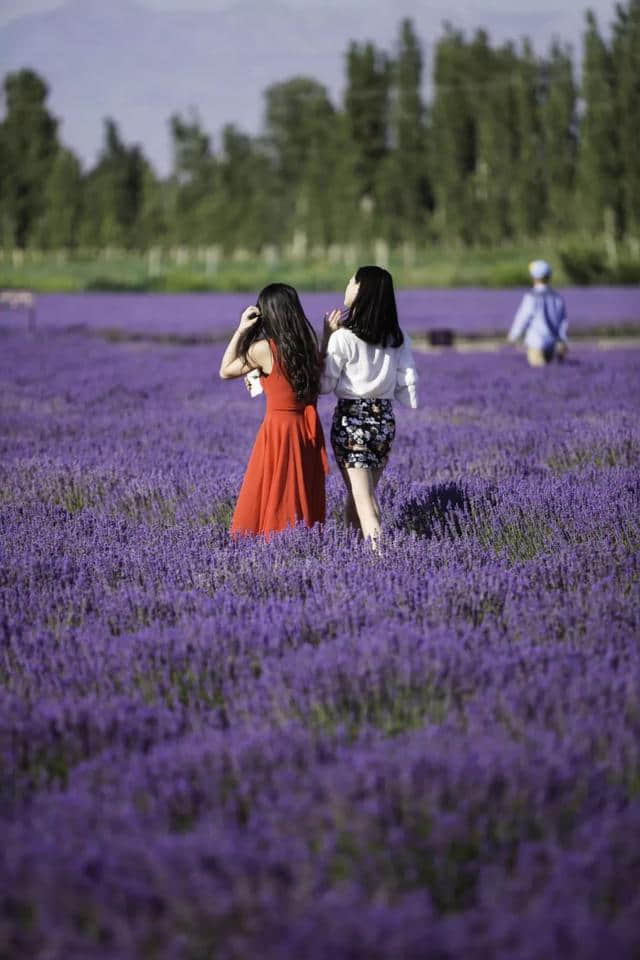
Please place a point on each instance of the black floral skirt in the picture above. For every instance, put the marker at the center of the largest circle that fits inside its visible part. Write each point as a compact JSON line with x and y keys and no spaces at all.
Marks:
{"x":362,"y":432}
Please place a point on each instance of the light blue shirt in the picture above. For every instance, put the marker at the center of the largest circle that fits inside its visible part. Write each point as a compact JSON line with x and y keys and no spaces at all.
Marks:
{"x":541,"y":318}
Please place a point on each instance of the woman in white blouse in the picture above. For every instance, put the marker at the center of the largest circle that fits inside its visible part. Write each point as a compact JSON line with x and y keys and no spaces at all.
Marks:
{"x":367,"y":363}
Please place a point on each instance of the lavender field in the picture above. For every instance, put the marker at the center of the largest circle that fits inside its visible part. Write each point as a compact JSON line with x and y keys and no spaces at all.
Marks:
{"x":300,"y":750}
{"x":465,"y":310}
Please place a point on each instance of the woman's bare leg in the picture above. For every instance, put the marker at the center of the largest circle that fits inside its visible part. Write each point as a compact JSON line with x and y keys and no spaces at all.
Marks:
{"x":363,"y":483}
{"x":351,"y":520}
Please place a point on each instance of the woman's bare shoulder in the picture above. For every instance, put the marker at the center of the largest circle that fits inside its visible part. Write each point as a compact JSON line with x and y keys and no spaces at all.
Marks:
{"x":260,"y":353}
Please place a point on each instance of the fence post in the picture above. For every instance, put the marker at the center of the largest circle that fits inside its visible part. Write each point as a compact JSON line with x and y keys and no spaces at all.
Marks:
{"x":212,"y":259}
{"x":381,"y":252}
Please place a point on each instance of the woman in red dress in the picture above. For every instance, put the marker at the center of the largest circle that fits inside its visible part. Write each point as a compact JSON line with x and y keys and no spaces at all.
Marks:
{"x":285,"y":478}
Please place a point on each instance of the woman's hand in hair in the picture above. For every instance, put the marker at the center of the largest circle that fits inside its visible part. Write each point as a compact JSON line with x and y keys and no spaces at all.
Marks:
{"x":332,"y":321}
{"x":329,"y":326}
{"x":248,"y":318}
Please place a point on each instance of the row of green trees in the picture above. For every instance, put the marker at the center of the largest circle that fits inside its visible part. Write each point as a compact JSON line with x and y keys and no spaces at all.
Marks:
{"x":508,"y":147}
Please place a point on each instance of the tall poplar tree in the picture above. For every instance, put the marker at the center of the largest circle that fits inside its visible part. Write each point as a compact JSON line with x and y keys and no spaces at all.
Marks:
{"x":367,"y":107}
{"x":453,"y":135}
{"x":28,"y":135}
{"x":558,"y":125}
{"x":599,"y":194}
{"x":63,"y":197}
{"x":245,"y":208}
{"x":497,"y":144}
{"x":298,"y":114}
{"x":405,"y":179}
{"x":341,"y":201}
{"x":193,"y":181}
{"x":153,"y":224}
{"x":114,"y":193}
{"x":299,"y":118}
{"x":626,"y":56}
{"x":530,"y":199}
{"x":6,"y":221}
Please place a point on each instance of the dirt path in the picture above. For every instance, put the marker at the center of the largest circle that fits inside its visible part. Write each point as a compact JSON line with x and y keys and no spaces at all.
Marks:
{"x":493,"y":344}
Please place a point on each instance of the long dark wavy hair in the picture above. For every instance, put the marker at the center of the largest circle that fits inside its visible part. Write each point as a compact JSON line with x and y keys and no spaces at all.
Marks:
{"x":374,"y":316}
{"x":283,"y":320}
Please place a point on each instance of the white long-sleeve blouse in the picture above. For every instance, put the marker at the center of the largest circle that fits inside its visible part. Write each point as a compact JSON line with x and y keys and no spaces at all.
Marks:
{"x":354,"y":370}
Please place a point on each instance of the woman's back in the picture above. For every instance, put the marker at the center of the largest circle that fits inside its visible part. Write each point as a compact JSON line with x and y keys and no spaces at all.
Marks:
{"x":279,"y":393}
{"x":356,"y":369}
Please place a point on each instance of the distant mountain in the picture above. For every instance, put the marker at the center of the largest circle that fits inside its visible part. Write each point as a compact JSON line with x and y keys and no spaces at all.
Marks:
{"x":122,"y":59}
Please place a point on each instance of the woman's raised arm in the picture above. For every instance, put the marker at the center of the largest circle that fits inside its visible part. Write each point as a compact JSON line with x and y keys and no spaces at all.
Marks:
{"x":258,"y":356}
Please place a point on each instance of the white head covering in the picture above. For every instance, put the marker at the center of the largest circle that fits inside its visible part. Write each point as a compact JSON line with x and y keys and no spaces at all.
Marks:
{"x":539,"y":269}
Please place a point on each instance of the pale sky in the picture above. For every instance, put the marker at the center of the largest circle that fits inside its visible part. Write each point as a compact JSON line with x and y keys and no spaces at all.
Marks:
{"x":484,"y":12}
{"x":139,"y":61}
{"x":12,"y":9}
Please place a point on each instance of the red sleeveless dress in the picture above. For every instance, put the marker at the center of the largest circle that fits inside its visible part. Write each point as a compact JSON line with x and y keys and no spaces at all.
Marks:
{"x":285,"y":478}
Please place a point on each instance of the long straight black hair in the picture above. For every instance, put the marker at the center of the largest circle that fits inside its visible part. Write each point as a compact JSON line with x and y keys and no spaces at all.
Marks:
{"x":283,"y":320}
{"x":374,"y":316}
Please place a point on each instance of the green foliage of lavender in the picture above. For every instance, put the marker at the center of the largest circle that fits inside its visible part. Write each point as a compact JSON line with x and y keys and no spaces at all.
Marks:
{"x":300,"y":749}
